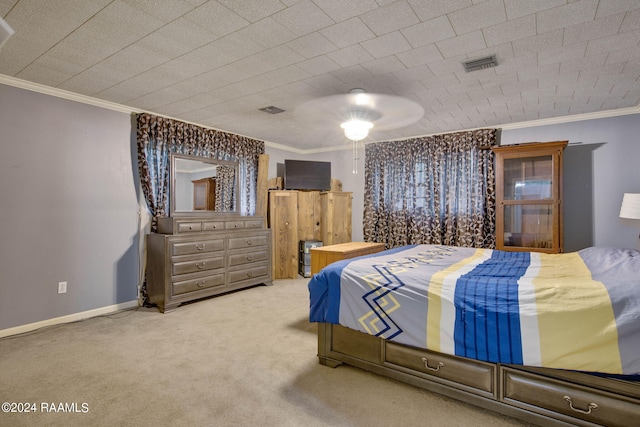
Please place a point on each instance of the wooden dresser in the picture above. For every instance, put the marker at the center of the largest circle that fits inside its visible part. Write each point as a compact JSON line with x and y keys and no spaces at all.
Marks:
{"x":196,"y":257}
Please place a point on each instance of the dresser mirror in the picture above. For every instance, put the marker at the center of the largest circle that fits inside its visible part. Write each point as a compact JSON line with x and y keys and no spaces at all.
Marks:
{"x":202,"y":186}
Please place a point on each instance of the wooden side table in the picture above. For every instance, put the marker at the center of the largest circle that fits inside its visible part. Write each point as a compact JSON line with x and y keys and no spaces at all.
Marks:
{"x":325,"y":255}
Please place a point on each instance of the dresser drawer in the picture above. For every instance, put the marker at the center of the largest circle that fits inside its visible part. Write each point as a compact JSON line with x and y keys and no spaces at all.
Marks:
{"x":247,"y":257}
{"x":248,"y":241}
{"x":250,"y":272}
{"x":197,"y":247}
{"x":557,"y":398}
{"x":186,"y":286}
{"x":253,"y":223}
{"x":197,"y":265}
{"x":471,"y":373}
{"x":189,"y":227}
{"x":234,"y":225}
{"x":212,"y":225}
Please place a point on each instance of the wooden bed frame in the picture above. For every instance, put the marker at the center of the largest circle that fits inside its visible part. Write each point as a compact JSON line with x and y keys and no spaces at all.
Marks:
{"x":547,"y":397}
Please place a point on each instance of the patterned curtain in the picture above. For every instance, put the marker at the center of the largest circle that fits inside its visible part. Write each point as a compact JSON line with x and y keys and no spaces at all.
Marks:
{"x":432,"y":190}
{"x":158,"y":137}
{"x":225,"y":188}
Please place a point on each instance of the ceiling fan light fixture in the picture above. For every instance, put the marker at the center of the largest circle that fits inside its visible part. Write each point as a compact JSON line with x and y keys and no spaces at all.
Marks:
{"x":355,"y":129}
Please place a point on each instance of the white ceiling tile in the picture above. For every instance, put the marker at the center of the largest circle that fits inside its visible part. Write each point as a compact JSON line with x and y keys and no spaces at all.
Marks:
{"x":340,"y":10}
{"x":351,"y":74}
{"x":390,"y":18}
{"x":611,"y":7}
{"x":564,"y":53}
{"x":351,"y":55}
{"x":92,"y":81}
{"x":347,"y":33}
{"x":121,"y":24}
{"x":593,"y":29}
{"x":429,"y":32}
{"x":564,"y":16}
{"x":312,"y":45}
{"x":540,"y":43}
{"x":176,"y":38}
{"x":429,"y":9}
{"x":216,"y":19}
{"x":389,"y":44}
{"x":385,"y":65}
{"x":303,"y":18}
{"x":235,"y":46}
{"x":485,"y":14}
{"x":448,"y":65}
{"x":419,"y":72}
{"x":516,"y":29}
{"x":421,"y":55}
{"x":253,"y":11}
{"x":623,"y":41}
{"x":461,"y":45}
{"x":267,"y":32}
{"x":541,"y":73}
{"x":168,"y":11}
{"x":518,"y":8}
{"x":631,"y":21}
{"x":318,"y":65}
{"x":280,"y":56}
{"x":327,"y":84}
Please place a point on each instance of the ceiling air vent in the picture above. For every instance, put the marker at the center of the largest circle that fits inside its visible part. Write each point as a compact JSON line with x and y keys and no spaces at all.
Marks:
{"x":272,"y":110}
{"x":480,"y":63}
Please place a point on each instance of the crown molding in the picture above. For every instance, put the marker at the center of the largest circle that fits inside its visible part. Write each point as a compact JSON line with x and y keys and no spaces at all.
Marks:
{"x":61,"y":93}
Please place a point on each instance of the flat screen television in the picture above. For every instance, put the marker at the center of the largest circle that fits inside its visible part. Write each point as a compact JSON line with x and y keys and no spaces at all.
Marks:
{"x":307,"y":175}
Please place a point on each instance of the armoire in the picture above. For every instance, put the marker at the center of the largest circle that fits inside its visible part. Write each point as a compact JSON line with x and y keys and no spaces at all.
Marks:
{"x":296,"y":215}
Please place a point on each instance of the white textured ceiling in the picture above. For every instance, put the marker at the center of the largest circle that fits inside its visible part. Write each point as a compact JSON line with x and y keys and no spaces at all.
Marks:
{"x":216,"y":63}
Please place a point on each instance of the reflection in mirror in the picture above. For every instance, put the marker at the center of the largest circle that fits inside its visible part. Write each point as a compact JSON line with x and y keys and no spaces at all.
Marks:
{"x":201,"y":185}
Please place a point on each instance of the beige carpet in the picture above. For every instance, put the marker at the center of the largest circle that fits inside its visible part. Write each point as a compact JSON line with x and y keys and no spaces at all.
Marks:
{"x":243,"y":359}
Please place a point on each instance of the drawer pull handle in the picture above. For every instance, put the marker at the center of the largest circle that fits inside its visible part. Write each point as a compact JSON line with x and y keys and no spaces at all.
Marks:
{"x":250,"y":273}
{"x":436,"y":369}
{"x":249,"y":258}
{"x":591,"y":407}
{"x":249,"y":243}
{"x":201,"y":247}
{"x":200,"y":266}
{"x":235,"y":225}
{"x":200,"y":284}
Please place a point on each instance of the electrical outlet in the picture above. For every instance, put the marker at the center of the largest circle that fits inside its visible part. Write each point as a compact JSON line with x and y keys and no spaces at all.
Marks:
{"x":62,"y":287}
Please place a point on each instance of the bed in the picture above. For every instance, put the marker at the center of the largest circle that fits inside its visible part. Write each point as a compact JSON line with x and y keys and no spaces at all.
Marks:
{"x":548,"y":338}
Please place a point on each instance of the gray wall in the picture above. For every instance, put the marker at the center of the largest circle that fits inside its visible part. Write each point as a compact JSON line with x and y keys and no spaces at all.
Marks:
{"x":69,"y":202}
{"x":68,"y":208}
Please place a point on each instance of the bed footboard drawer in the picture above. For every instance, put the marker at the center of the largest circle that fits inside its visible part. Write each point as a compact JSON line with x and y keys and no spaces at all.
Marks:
{"x":566,"y":401}
{"x":453,"y":370}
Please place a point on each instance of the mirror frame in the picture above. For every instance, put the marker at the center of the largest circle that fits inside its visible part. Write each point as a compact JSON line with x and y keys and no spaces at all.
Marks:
{"x":172,"y":186}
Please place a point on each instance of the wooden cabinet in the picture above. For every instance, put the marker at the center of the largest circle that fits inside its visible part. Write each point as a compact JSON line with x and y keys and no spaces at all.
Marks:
{"x":325,"y":255}
{"x":305,"y":215}
{"x":194,"y":257}
{"x":529,"y":197}
{"x":204,"y":194}
{"x":336,"y":217}
{"x":283,"y":221}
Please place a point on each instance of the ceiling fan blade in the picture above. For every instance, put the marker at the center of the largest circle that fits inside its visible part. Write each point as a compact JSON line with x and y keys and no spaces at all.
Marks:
{"x":384,"y":111}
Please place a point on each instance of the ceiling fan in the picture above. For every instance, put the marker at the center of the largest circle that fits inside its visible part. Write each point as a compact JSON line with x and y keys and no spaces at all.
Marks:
{"x":379,"y":111}
{"x":357,"y":112}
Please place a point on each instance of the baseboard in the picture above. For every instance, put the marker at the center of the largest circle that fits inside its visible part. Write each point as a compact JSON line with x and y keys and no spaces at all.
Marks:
{"x":69,"y":318}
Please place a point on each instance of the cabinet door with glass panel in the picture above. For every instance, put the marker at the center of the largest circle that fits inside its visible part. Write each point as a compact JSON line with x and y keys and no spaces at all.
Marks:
{"x":529,"y":197}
